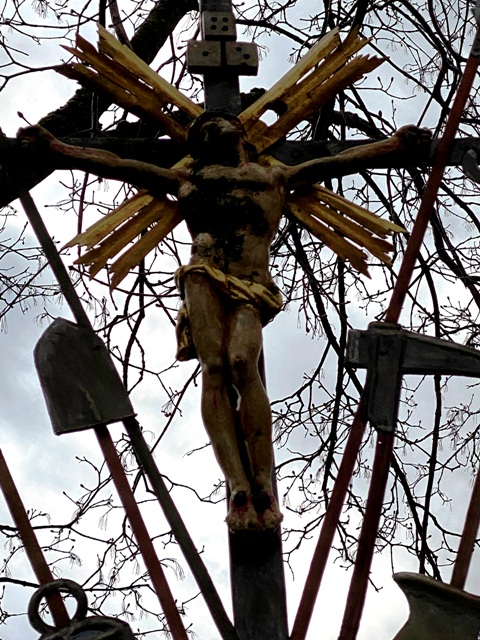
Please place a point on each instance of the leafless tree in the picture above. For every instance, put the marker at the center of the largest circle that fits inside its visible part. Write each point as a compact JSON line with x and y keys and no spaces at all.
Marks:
{"x":426,"y":45}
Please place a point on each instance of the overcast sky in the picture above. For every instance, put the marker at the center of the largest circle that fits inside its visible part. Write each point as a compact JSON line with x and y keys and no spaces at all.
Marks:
{"x":45,"y":466}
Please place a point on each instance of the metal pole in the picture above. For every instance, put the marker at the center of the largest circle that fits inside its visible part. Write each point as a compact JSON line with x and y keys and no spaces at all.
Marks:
{"x":368,"y":535}
{"x":140,"y":532}
{"x":54,"y":260}
{"x":329,"y":527}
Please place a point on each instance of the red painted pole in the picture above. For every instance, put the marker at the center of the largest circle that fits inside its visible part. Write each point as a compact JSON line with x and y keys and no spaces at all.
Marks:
{"x":467,"y":541}
{"x":32,"y":548}
{"x":140,"y":532}
{"x":329,"y":527}
{"x":368,"y":535}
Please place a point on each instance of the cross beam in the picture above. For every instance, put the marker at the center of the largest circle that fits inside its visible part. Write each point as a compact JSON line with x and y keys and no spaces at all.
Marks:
{"x":16,"y":177}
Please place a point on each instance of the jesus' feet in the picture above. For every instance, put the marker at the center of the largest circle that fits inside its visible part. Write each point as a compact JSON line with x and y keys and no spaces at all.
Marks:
{"x":248,"y":515}
{"x":242,"y":517}
{"x":268,"y":512}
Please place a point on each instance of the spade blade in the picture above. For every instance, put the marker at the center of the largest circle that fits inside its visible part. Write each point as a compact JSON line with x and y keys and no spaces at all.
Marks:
{"x":80,"y":384}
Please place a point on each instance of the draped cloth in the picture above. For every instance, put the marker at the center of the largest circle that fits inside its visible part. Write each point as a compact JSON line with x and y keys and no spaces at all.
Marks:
{"x":267,"y":300}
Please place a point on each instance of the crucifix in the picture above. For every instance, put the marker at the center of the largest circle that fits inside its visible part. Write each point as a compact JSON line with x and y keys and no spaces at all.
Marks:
{"x":232,"y":205}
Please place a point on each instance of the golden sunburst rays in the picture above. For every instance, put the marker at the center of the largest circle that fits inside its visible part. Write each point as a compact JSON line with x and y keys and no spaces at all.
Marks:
{"x":142,"y":222}
{"x":116,"y":71}
{"x":328,"y":68}
{"x":143,"y":215}
{"x":343,"y":226}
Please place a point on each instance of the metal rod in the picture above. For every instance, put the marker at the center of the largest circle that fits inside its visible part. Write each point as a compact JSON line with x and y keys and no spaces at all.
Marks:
{"x":329,"y":527}
{"x":185,"y":542}
{"x":32,"y":548}
{"x":140,"y":532}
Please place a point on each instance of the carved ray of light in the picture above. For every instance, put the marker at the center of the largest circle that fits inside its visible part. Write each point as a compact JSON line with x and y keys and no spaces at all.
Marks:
{"x":328,"y":67}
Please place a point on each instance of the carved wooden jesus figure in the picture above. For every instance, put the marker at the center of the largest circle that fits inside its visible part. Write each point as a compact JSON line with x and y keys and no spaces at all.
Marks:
{"x":232,"y":206}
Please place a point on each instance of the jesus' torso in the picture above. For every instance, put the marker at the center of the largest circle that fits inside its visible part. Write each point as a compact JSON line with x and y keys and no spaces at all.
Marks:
{"x":232,"y":214}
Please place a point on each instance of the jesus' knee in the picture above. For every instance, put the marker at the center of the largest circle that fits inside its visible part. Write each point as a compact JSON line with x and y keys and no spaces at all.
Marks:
{"x":243,"y":368}
{"x":213,"y":366}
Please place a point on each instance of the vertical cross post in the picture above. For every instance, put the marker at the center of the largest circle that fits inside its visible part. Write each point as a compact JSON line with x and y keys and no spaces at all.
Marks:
{"x":219,"y":57}
{"x":256,"y":563}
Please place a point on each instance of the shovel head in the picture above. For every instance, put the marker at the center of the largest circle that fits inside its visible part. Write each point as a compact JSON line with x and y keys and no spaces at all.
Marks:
{"x":80,"y":384}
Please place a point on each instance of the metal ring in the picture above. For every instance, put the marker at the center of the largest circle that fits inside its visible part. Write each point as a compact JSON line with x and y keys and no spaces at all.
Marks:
{"x":67,"y":586}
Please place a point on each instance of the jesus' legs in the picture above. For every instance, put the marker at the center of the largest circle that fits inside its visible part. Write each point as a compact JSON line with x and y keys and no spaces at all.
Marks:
{"x":254,"y":408}
{"x":209,"y":327}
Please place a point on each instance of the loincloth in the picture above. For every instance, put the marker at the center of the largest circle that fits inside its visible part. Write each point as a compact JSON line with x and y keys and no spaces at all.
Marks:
{"x":268,"y":302}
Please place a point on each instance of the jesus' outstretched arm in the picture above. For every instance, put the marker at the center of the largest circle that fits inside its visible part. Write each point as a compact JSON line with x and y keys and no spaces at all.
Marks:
{"x":58,"y":155}
{"x":409,"y":143}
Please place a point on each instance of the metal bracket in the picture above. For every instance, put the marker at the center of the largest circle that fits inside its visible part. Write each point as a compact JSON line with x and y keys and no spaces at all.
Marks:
{"x":242,"y":57}
{"x":388,"y":352}
{"x":238,"y":58}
